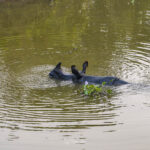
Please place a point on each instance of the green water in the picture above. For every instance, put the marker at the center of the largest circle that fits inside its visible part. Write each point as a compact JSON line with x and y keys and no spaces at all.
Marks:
{"x":39,"y":113}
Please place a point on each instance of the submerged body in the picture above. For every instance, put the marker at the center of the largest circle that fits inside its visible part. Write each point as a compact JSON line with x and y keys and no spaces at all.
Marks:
{"x":81,"y":78}
{"x":62,"y":76}
{"x":109,"y":80}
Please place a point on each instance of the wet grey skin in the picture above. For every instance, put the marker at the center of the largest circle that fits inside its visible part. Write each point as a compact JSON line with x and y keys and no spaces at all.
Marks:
{"x":58,"y":74}
{"x":82,"y":78}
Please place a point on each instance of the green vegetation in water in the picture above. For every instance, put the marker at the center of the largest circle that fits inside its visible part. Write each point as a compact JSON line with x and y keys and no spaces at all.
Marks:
{"x":96,"y":90}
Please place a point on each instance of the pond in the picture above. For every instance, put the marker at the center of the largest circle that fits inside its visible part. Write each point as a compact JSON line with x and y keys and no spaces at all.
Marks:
{"x":37,"y":112}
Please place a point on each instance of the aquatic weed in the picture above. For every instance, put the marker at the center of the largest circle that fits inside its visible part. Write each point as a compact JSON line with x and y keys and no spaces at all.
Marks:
{"x":96,"y":90}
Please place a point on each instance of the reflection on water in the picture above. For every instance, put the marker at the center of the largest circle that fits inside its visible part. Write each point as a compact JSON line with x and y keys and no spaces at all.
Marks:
{"x":36,"y":35}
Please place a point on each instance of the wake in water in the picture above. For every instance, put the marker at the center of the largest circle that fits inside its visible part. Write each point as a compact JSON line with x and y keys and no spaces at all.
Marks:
{"x":37,"y":78}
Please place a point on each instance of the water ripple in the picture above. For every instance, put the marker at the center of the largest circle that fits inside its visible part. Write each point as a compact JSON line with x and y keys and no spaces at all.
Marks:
{"x":134,"y":63}
{"x":35,"y":102}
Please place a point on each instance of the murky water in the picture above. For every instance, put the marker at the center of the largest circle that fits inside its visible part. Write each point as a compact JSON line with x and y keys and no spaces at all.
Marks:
{"x":39,"y":113}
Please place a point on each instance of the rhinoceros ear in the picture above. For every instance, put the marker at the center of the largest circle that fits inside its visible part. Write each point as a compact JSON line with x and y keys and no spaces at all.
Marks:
{"x":84,"y":66}
{"x":58,"y":66}
{"x":76,"y":72}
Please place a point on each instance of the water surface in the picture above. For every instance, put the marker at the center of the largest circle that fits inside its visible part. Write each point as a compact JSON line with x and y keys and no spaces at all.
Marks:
{"x":39,"y":113}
